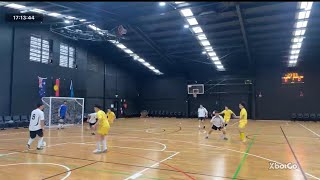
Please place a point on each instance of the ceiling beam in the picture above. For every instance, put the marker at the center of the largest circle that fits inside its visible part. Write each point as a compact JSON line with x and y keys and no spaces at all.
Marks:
{"x":244,"y":35}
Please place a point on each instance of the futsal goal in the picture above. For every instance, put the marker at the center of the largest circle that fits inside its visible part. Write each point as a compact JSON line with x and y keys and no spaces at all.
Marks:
{"x":74,"y":113}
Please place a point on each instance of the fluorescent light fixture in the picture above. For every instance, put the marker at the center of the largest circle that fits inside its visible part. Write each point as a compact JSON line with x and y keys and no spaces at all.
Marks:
{"x":215,"y":58}
{"x":162,"y":3}
{"x":179,"y":2}
{"x":82,"y":20}
{"x":93,"y":27}
{"x":205,"y":43}
{"x":152,"y":68}
{"x":121,"y":46}
{"x":70,"y":17}
{"x":202,"y":37}
{"x":37,"y":10}
{"x":192,"y":21}
{"x":219,"y":66}
{"x":208,"y":48}
{"x":217,"y":62}
{"x":299,"y":32}
{"x":186,"y":12}
{"x":128,"y":51}
{"x":306,"y":5}
{"x":136,"y":57}
{"x":303,"y":15}
{"x":54,"y":14}
{"x":146,"y":64}
{"x":67,"y":21}
{"x":296,"y":46}
{"x":203,"y":52}
{"x":293,"y":61}
{"x":301,"y":24}
{"x":113,"y":41}
{"x":197,"y":29}
{"x":212,"y":54}
{"x":296,"y":51}
{"x":292,"y":57}
{"x":15,"y":6}
{"x":297,"y":39}
{"x":141,"y":60}
{"x":186,"y":26}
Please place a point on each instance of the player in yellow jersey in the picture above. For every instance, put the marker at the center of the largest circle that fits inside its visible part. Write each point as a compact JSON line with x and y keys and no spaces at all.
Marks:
{"x":102,"y":126}
{"x":110,"y":116}
{"x":242,"y":121}
{"x":227,"y":115}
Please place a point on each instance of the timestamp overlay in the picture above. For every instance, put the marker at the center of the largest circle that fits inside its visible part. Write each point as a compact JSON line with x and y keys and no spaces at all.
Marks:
{"x":23,"y":17}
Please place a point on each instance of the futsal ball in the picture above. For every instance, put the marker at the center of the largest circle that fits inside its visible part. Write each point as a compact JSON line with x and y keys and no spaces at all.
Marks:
{"x":61,"y":121}
{"x":44,"y":143}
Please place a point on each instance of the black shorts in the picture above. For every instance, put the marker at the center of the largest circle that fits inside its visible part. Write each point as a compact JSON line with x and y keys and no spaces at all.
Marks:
{"x":216,"y":128}
{"x":33,"y":134}
{"x":91,"y":124}
{"x":201,"y":118}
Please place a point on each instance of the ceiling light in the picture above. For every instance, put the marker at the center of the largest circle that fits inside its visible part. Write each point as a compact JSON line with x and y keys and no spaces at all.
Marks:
{"x":141,"y":60}
{"x":135,"y":57}
{"x":146,"y":64}
{"x":208,"y":48}
{"x":303,"y":15}
{"x":121,"y":46}
{"x":297,"y":51}
{"x":296,"y":46}
{"x":297,"y":39}
{"x":186,"y":26}
{"x":82,"y":20}
{"x":128,"y":51}
{"x":212,"y":54}
{"x":203,"y":52}
{"x":179,"y":2}
{"x":67,"y":21}
{"x":15,"y":6}
{"x":192,"y":21}
{"x":306,"y":5}
{"x":219,"y":66}
{"x":152,"y":68}
{"x":201,"y":37}
{"x":197,"y":29}
{"x":38,"y":10}
{"x":293,"y":57}
{"x":162,"y":3}
{"x":186,"y":12}
{"x":70,"y":17}
{"x":215,"y":58}
{"x":299,"y":32}
{"x":217,"y":62}
{"x":54,"y":14}
{"x":301,"y":24}
{"x":293,"y":61}
{"x":205,"y":43}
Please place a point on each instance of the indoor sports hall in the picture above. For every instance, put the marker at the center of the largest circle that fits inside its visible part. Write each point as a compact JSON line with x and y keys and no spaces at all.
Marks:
{"x":159,"y":90}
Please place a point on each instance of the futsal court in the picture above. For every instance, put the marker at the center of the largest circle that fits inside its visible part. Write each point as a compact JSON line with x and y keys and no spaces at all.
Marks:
{"x":168,"y":148}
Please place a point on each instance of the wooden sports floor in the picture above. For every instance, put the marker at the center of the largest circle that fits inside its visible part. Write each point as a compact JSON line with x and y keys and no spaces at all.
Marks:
{"x":165,"y":148}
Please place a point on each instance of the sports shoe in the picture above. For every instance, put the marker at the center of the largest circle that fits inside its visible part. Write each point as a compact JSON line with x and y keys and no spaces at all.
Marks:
{"x":204,"y":127}
{"x":97,"y":151}
{"x":225,"y":138}
{"x":93,"y":134}
{"x":41,"y":148}
{"x":104,"y":151}
{"x":28,"y":147}
{"x":207,"y":137}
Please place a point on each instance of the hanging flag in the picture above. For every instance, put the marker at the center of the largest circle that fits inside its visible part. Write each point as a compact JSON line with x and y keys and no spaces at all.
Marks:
{"x":42,"y":86}
{"x":56,"y":87}
{"x":71,"y":89}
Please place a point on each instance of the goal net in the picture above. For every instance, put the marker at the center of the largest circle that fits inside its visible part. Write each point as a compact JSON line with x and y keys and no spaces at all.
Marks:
{"x":74,"y":114}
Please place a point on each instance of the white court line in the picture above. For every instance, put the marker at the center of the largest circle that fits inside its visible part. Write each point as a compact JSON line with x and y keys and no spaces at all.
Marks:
{"x":227,"y":150}
{"x":309,"y":130}
{"x":67,"y":168}
{"x":8,"y":134}
{"x":134,"y":176}
{"x":1,"y":155}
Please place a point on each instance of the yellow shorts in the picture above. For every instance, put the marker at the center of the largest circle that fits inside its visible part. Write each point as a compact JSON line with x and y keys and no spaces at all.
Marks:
{"x":103,"y":131}
{"x":227,"y":121}
{"x":242,"y":124}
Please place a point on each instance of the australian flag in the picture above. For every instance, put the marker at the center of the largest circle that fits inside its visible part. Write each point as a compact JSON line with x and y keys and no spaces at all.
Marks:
{"x":42,"y":86}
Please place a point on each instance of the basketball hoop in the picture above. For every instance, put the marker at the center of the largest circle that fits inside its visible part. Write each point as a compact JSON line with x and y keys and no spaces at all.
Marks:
{"x":194,"y":95}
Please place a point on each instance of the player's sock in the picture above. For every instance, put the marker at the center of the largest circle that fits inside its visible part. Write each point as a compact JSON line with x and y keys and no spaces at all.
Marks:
{"x":98,"y":145}
{"x":40,"y":143}
{"x":242,"y":136}
{"x":104,"y":143}
{"x":30,"y":141}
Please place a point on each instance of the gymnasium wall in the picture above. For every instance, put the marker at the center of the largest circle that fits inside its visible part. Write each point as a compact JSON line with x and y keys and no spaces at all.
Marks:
{"x":88,"y":78}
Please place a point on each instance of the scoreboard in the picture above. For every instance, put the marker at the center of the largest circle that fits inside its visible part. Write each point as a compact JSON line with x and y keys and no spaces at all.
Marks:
{"x":292,"y":78}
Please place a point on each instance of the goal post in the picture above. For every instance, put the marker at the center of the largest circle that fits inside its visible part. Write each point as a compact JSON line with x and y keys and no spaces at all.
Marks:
{"x":74,"y":114}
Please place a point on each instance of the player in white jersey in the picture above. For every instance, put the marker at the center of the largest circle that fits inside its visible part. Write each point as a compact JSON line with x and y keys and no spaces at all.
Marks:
{"x":202,"y":114}
{"x":92,"y":120}
{"x":36,"y":126}
{"x":217,"y":124}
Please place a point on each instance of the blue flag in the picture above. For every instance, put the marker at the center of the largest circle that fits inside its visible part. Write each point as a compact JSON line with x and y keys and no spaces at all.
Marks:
{"x":42,"y":86}
{"x":71,"y":89}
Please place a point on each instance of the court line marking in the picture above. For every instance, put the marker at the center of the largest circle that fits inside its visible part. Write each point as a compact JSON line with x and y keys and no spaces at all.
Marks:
{"x":294,"y":154}
{"x":134,"y":176}
{"x":217,"y":147}
{"x":163,"y":145}
{"x":309,"y":130}
{"x":67,"y":168}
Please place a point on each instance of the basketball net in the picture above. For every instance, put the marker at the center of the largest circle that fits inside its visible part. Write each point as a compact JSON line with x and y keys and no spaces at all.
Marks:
{"x":194,"y":95}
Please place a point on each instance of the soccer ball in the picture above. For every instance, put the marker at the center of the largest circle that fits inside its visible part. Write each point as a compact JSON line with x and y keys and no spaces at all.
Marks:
{"x":44,"y":143}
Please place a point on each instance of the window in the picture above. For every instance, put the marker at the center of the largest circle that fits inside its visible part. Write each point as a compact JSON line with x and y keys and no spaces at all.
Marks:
{"x":39,"y":50}
{"x":67,"y":56}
